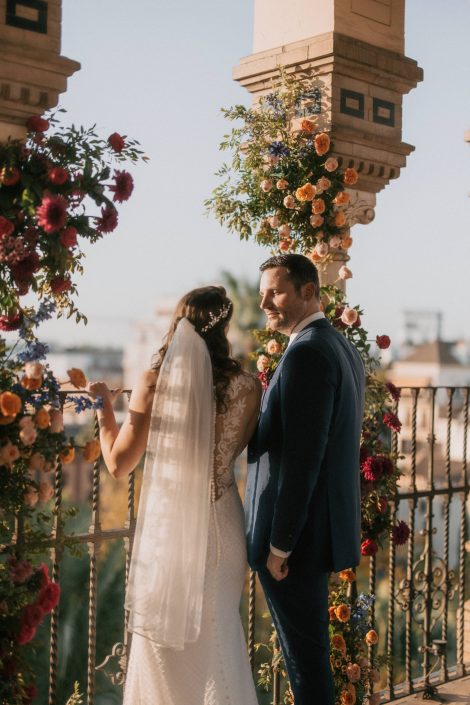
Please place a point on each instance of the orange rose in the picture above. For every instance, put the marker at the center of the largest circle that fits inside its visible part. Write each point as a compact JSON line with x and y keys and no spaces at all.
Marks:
{"x":92,"y":451}
{"x":262,"y":363}
{"x":331,"y":164}
{"x":371,"y":637}
{"x":42,"y":418}
{"x":343,"y":612}
{"x":323,"y":183}
{"x":353,"y":672}
{"x":348,"y":695}
{"x":318,"y":206}
{"x":285,"y":245}
{"x":314,"y":256}
{"x":346,"y":242}
{"x":305,"y":192}
{"x":344,"y":272}
{"x":307,"y":126}
{"x":30,"y":383}
{"x":37,"y":462}
{"x":77,"y":377}
{"x":350,"y":177}
{"x":33,"y":370}
{"x":342,"y":198}
{"x":335,"y":242}
{"x":340,"y":219}
{"x":67,"y":455}
{"x":316,"y":220}
{"x":322,"y":143}
{"x":8,"y":454}
{"x":10,"y":404}
{"x":273,"y":347}
{"x":321,"y":248}
{"x":348,"y":575}
{"x":332,"y":613}
{"x":338,"y":643}
{"x":282,"y":184}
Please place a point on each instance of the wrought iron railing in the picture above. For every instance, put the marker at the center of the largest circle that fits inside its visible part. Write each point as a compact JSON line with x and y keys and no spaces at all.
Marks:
{"x":421,"y":589}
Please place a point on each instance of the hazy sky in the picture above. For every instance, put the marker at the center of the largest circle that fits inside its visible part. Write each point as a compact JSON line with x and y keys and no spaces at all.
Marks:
{"x":160,"y":71}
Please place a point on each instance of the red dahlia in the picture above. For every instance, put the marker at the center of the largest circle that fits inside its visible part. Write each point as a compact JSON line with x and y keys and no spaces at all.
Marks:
{"x":10,"y":322}
{"x":395,"y":393}
{"x":400,"y":533}
{"x":372,"y":468}
{"x":49,"y":597}
{"x":52,"y":213}
{"x":392,"y":421}
{"x":123,"y":186}
{"x":68,"y":237}
{"x":24,"y":269}
{"x":108,"y":221}
{"x":116,"y":142}
{"x":369,"y":547}
{"x":25,"y":634}
{"x":32,"y":615}
{"x":383,"y":342}
{"x":36,"y":123}
{"x":60,"y":284}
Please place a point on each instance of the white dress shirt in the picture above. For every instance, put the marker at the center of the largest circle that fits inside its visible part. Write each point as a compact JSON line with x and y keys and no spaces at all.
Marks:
{"x":295,"y":332}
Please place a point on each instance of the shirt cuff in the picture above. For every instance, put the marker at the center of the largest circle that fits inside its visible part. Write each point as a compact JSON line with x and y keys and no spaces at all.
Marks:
{"x":277,"y":552}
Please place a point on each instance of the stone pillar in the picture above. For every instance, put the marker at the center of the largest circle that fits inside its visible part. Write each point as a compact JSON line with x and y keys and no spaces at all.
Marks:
{"x":350,"y":54}
{"x":32,"y":72}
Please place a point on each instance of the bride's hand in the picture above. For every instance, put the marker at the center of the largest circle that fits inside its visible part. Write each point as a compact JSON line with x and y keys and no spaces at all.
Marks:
{"x":101,"y":389}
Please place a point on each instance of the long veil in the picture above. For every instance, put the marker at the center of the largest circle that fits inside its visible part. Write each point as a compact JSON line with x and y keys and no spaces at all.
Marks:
{"x":166,"y":578}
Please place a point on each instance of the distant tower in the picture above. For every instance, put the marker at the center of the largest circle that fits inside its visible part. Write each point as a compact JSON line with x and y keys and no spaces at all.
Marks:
{"x":421,"y":327}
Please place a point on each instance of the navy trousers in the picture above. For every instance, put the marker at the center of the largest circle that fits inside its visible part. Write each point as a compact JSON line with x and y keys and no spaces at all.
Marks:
{"x":299,"y":608}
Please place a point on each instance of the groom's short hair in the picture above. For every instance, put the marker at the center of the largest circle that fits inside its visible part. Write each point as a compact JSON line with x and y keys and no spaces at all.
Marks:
{"x":300,"y":270}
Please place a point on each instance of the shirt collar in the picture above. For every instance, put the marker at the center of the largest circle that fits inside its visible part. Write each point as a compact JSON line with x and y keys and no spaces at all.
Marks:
{"x":303,"y":324}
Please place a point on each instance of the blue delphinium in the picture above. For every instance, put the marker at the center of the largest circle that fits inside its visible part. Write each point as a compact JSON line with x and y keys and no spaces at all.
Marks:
{"x":278,"y":149}
{"x":83,"y":403}
{"x":33,"y":351}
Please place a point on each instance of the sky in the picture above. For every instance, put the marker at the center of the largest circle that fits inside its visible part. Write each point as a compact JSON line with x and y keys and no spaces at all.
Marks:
{"x":160,"y":72}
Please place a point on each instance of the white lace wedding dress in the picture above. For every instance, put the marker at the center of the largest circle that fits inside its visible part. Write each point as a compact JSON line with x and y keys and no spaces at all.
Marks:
{"x":215,"y":669}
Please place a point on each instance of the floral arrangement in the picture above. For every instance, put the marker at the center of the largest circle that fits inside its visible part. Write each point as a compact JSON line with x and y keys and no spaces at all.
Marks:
{"x":285,"y":190}
{"x":47,"y":186}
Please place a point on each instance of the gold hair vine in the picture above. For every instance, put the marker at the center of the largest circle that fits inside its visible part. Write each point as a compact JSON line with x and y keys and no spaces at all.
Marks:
{"x":223,"y":313}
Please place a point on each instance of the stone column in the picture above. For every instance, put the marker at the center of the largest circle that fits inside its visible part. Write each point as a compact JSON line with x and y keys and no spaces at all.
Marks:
{"x":350,"y":54}
{"x":32,"y":72}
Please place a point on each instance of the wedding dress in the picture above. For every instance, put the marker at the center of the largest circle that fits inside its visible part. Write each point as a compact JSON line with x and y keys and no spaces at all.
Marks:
{"x":213,"y":670}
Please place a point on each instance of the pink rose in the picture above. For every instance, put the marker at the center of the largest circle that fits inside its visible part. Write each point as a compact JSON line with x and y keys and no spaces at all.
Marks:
{"x":46,"y":492}
{"x":321,"y":248}
{"x":349,"y":316}
{"x":273,"y":347}
{"x":331,"y":164}
{"x":323,"y":183}
{"x":37,"y":462}
{"x":266,"y":185}
{"x":284,"y":230}
{"x":262,"y":363}
{"x":282,"y":184}
{"x":57,"y":421}
{"x":289,"y":202}
{"x":28,"y":435}
{"x":8,"y":454}
{"x":335,"y":242}
{"x":345,"y":272}
{"x":353,"y":672}
{"x":316,"y":220}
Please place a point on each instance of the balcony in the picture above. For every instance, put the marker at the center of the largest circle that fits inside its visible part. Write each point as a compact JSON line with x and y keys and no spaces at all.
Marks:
{"x":422,"y":589}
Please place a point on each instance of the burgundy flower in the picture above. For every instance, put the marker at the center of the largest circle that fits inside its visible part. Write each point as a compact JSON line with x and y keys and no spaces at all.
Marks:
{"x":394,"y":392}
{"x":369,"y":547}
{"x":10,"y":322}
{"x":357,"y":324}
{"x":337,"y":322}
{"x":9,"y":176}
{"x":60,"y":284}
{"x":372,"y":468}
{"x":48,"y":597}
{"x":32,"y":615}
{"x":108,"y":221}
{"x":363,"y":454}
{"x":123,"y":186}
{"x":383,"y":342}
{"x":24,"y":269}
{"x":43,"y":571}
{"x":52,"y":213}
{"x":382,"y":505}
{"x":25,"y":634}
{"x":36,"y":123}
{"x":392,"y":421}
{"x":400,"y":533}
{"x":116,"y":142}
{"x":6,"y":227}
{"x":31,"y":692}
{"x":68,"y":237}
{"x":58,"y":175}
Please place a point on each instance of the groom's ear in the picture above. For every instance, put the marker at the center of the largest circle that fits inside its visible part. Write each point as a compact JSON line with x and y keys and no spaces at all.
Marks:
{"x":309,"y":291}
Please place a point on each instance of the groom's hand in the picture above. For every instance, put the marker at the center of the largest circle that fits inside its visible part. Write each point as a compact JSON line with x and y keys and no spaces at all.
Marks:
{"x":277,"y":566}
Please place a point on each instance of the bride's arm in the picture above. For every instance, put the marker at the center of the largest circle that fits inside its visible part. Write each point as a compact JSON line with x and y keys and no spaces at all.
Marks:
{"x":122,"y":448}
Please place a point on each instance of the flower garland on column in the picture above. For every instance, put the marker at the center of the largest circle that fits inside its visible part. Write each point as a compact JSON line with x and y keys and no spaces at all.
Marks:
{"x":48,"y":184}
{"x":285,"y":190}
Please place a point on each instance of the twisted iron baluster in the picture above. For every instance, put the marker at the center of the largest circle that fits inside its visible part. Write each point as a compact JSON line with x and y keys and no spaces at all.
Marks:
{"x":56,"y":555}
{"x":93,"y":548}
{"x":251,"y":618}
{"x":391,"y":606}
{"x":428,"y":532}
{"x":462,"y":539}
{"x":447,"y":497}
{"x":410,"y":553}
{"x":372,"y":582}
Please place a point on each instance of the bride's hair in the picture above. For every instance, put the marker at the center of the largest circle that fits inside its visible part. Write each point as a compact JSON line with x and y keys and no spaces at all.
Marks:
{"x":209,"y":310}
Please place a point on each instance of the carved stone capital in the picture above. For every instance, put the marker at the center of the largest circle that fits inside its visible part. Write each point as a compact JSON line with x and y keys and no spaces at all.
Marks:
{"x":360,"y":208}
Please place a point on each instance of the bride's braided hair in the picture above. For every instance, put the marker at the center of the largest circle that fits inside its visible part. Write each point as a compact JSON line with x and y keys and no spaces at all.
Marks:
{"x":209,"y":310}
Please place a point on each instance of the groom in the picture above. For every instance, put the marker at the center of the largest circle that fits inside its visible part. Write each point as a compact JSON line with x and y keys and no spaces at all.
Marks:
{"x":303,"y":492}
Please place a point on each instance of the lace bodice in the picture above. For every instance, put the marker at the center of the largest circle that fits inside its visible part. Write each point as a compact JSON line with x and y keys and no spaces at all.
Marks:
{"x":231,"y":430}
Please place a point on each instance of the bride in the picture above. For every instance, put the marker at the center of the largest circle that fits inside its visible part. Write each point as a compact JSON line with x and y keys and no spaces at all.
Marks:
{"x":193,"y":413}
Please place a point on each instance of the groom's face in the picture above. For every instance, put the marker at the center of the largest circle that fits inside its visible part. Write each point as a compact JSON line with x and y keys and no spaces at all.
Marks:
{"x":283,"y":305}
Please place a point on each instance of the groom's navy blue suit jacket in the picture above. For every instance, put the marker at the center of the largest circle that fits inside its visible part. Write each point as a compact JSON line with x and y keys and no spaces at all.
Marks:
{"x":303,"y":487}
